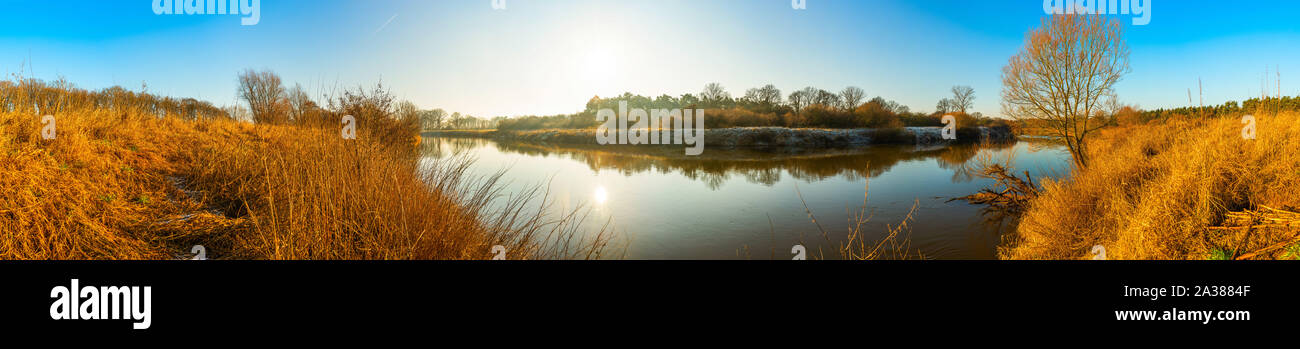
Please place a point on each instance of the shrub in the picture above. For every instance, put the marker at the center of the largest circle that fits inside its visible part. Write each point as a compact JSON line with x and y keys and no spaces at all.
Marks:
{"x":739,"y":117}
{"x":120,"y":182}
{"x":921,"y":120}
{"x":818,"y":115}
{"x":875,"y":115}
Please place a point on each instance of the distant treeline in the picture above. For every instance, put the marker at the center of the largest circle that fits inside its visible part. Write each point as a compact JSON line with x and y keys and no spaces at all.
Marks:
{"x":1267,"y":105}
{"x":767,"y":106}
{"x":1124,"y":115}
{"x":37,"y":97}
{"x":376,"y":111}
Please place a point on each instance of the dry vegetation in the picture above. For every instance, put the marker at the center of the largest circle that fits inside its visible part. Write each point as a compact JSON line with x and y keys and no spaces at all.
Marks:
{"x":137,"y":179}
{"x":1182,"y":189}
{"x":894,"y":243}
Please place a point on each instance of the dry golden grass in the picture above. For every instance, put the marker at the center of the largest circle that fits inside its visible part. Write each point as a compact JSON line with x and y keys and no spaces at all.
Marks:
{"x":1163,"y":191}
{"x":117,"y":183}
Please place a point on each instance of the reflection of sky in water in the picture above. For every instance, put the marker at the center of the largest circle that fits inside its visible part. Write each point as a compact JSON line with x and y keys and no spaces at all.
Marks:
{"x":711,"y":207}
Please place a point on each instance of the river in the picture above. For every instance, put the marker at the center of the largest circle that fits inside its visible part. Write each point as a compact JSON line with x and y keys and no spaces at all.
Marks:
{"x":745,"y":203}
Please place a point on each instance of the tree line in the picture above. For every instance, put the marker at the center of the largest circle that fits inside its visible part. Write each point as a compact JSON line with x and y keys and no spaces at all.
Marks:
{"x":1265,"y":105}
{"x":36,"y":97}
{"x":767,"y":106}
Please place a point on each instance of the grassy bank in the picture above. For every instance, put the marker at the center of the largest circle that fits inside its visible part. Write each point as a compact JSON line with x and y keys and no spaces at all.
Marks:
{"x":123,"y":182}
{"x":1181,"y":189}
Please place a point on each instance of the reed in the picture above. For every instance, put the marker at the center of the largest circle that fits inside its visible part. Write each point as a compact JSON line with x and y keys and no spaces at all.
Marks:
{"x":129,"y":176}
{"x":1170,"y":190}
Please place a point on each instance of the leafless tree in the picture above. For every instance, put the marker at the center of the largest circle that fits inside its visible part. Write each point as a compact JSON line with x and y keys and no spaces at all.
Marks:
{"x":264,"y":93}
{"x":714,"y":93}
{"x":407,"y":111}
{"x":456,"y":120}
{"x":963,"y":98}
{"x":1062,"y":74}
{"x":811,"y":93}
{"x":826,"y":98}
{"x":852,"y":97}
{"x":432,"y":119}
{"x":768,"y":96}
{"x":752,"y":96}
{"x":944,"y":106}
{"x":897,"y":108}
{"x":798,"y":100}
{"x":299,"y":103}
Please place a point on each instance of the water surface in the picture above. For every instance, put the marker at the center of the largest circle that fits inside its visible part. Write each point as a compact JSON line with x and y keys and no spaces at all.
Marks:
{"x":745,"y":203}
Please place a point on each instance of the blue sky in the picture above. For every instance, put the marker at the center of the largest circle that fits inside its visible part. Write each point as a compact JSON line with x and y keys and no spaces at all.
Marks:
{"x":550,"y":56}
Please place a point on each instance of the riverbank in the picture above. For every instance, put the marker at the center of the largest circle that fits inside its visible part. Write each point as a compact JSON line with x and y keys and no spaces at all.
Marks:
{"x":767,"y":137}
{"x":124,"y":183}
{"x":1180,"y":189}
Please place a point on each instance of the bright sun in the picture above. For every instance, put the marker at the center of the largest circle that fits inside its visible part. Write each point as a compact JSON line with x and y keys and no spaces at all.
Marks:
{"x":598,"y":65}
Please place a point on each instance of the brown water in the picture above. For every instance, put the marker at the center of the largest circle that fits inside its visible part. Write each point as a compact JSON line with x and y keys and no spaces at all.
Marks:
{"x":729,"y":204}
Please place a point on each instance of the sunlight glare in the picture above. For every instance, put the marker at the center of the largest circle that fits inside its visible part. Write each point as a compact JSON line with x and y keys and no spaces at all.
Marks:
{"x":601,"y":195}
{"x":598,"y":65}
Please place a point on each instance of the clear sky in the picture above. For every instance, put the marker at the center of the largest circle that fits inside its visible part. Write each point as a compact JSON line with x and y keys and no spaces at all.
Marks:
{"x":551,"y":56}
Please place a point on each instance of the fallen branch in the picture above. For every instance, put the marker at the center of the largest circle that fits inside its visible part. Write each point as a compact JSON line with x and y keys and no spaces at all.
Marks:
{"x":1294,"y":239}
{"x":1010,"y":193}
{"x":1262,"y":218}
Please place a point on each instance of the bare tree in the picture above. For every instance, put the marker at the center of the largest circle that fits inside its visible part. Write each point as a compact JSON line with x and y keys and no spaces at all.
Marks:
{"x":264,"y":93}
{"x":456,"y":120}
{"x":766,"y":96}
{"x":852,"y":97}
{"x":826,"y":98}
{"x":810,"y":93}
{"x":769,"y":95}
{"x":299,"y":103}
{"x":1111,"y":105}
{"x":897,"y":108}
{"x":407,"y":111}
{"x":944,"y":106}
{"x":752,"y":96}
{"x":1062,"y":74}
{"x":714,"y":93}
{"x":963,"y":98}
{"x":798,"y":100}
{"x":432,"y":119}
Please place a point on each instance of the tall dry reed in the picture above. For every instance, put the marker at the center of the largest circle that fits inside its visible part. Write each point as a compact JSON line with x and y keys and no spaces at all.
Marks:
{"x":132,"y":179}
{"x":1165,"y":191}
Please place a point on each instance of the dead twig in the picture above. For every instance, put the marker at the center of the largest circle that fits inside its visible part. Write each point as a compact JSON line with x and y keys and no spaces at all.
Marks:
{"x":1010,"y":194}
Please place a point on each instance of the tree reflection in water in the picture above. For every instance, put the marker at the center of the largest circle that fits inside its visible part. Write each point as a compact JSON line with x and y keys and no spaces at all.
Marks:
{"x":760,"y":166}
